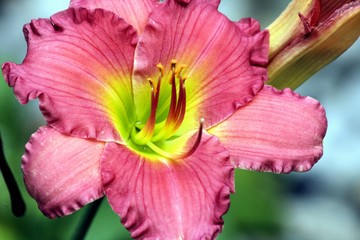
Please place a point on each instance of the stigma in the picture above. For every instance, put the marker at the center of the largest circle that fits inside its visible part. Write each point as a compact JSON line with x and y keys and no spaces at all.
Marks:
{"x":153,"y":134}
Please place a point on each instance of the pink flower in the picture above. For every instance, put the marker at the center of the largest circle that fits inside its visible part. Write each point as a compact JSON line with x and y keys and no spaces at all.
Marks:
{"x":153,"y":105}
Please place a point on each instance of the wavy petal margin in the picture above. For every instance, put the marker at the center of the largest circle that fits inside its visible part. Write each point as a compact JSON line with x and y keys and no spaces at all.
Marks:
{"x":182,"y":199}
{"x":214,"y":3}
{"x":223,"y":60}
{"x":78,"y":64}
{"x":62,"y":173}
{"x":279,"y":131}
{"x":134,"y":12}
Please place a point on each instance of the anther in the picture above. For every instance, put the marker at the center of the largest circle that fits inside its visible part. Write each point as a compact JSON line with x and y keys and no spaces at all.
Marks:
{"x":150,"y":81}
{"x":182,"y":67}
{"x":161,"y":69}
{"x":152,"y":85}
{"x":173,"y":64}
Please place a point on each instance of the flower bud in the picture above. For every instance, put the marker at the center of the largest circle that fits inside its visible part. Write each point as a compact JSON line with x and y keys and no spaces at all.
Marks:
{"x":307,"y":36}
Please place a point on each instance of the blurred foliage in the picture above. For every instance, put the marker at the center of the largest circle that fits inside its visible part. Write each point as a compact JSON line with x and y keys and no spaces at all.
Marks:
{"x":255,"y":209}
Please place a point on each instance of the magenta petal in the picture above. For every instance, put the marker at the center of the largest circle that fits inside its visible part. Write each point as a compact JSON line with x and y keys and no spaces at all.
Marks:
{"x":134,"y":12}
{"x":61,"y":172}
{"x":215,"y":3}
{"x":226,"y":66}
{"x":249,"y":26}
{"x":279,"y":131}
{"x":182,"y":199}
{"x":77,"y":64}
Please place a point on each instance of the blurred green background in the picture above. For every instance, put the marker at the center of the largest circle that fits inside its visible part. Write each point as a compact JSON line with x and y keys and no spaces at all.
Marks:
{"x":321,"y":204}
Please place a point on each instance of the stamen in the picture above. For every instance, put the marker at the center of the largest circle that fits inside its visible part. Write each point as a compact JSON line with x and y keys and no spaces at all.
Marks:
{"x":173,"y":64}
{"x":182,"y":67}
{"x":152,"y":85}
{"x":161,"y":69}
{"x":153,"y":132}
{"x":173,"y":100}
{"x":177,"y":106}
{"x":147,"y":132}
{"x":174,"y":156}
{"x":181,"y":106}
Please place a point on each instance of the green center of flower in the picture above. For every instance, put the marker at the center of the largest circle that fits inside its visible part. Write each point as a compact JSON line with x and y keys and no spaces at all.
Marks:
{"x":152,"y":137}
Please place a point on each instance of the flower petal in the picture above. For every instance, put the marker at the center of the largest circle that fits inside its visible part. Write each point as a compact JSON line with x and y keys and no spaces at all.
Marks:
{"x":215,"y":3}
{"x":279,"y":131}
{"x":62,"y":173}
{"x":223,"y":61}
{"x":182,"y":199}
{"x":79,"y":65}
{"x":134,"y":12}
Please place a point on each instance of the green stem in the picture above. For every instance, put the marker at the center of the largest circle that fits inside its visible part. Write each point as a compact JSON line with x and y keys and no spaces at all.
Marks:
{"x":17,"y":203}
{"x":87,"y":219}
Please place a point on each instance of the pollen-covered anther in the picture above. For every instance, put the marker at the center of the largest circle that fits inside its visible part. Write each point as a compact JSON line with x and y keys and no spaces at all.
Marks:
{"x":152,"y":84}
{"x":180,"y":69}
{"x":161,"y":69}
{"x":173,"y":64}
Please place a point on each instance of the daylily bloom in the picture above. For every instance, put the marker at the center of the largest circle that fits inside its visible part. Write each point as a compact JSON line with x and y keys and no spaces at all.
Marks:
{"x":307,"y":36}
{"x":154,"y":105}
